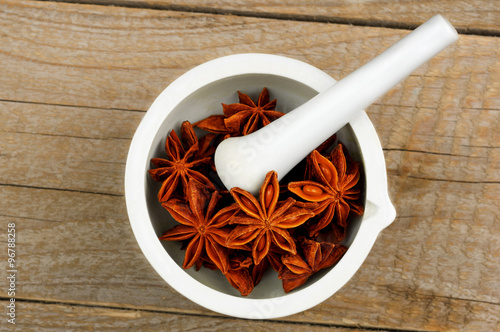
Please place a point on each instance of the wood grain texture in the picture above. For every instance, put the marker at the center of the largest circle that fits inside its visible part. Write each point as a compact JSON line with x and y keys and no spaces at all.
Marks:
{"x":55,"y":317}
{"x":478,"y":16}
{"x":85,"y":149}
{"x":75,"y":82}
{"x":122,"y":58}
{"x":441,"y":271}
{"x":82,"y":149}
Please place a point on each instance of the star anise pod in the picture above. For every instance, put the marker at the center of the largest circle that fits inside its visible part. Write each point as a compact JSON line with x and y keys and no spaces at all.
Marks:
{"x":199,"y":224}
{"x":322,"y":148}
{"x":216,"y":124}
{"x":333,"y":188}
{"x":266,"y":220}
{"x":242,"y":235}
{"x":244,"y":117}
{"x":175,"y":172}
{"x":316,"y":256}
{"x":238,"y":274}
{"x":273,"y":259}
{"x":189,"y":138}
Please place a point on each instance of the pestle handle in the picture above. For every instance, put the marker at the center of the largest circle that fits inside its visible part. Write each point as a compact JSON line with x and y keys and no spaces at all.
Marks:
{"x":244,"y":161}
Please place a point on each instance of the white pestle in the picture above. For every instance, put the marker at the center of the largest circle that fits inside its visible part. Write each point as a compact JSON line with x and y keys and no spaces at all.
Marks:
{"x":244,"y":161}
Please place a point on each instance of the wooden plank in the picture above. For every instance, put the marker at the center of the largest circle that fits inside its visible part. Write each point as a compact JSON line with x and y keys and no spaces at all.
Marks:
{"x":63,"y":317}
{"x":79,"y":122}
{"x":410,"y":262}
{"x":478,"y":16}
{"x":449,"y":109}
{"x":72,"y":148}
{"x":438,"y":264}
{"x":85,"y":149}
{"x":111,"y":57}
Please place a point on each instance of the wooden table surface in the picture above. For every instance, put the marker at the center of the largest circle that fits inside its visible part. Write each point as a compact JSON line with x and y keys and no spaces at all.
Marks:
{"x":77,"y":76}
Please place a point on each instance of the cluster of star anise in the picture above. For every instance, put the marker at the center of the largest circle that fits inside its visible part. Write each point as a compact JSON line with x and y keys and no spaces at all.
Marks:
{"x":296,"y":228}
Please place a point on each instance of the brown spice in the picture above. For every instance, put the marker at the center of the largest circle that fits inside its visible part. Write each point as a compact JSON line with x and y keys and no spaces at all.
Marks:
{"x":242,"y":235}
{"x":265,"y":221}
{"x":175,"y":172}
{"x":201,"y":225}
{"x":242,"y":118}
{"x":316,"y":256}
{"x":333,"y":187}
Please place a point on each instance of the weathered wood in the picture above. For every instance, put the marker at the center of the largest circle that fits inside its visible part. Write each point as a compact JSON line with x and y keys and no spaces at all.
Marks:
{"x":85,"y":149}
{"x":110,"y":57}
{"x":441,"y":258}
{"x":435,"y":111}
{"x":63,"y":121}
{"x":70,"y":148}
{"x":479,"y":16}
{"x":62,"y":317}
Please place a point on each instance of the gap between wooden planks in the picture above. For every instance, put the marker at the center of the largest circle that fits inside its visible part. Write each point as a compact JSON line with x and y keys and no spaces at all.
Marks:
{"x":82,"y":149}
{"x":77,"y":273}
{"x":52,"y":316}
{"x":122,"y":58}
{"x":479,"y":17}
